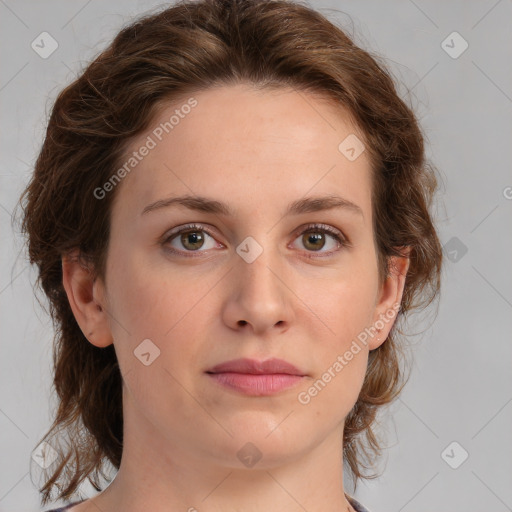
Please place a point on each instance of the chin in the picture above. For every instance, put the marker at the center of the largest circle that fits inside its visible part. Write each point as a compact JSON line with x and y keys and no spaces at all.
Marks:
{"x":259,"y":443}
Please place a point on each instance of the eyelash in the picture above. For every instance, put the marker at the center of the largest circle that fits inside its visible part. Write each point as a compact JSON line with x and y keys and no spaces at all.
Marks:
{"x":314,"y":228}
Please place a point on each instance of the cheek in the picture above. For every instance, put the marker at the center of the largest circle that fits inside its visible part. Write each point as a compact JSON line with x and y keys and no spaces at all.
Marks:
{"x":345,"y":308}
{"x":344,"y":304}
{"x":340,"y":356}
{"x":148,"y":302}
{"x":147,"y":297}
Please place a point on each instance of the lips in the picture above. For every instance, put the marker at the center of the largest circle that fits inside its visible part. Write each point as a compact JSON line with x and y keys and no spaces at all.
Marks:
{"x":254,"y":367}
{"x":256,"y":378}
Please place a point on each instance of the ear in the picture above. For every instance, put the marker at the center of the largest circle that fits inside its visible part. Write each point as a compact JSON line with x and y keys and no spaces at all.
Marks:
{"x":86,"y":296}
{"x":389,"y":298}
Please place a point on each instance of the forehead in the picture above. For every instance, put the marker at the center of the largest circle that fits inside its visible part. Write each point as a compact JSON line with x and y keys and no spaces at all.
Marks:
{"x":247,"y":145}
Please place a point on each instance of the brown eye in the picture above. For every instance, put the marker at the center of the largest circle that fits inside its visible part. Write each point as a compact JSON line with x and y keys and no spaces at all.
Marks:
{"x":192,"y":240}
{"x":189,"y":239}
{"x":321,"y":236}
{"x":313,"y":241}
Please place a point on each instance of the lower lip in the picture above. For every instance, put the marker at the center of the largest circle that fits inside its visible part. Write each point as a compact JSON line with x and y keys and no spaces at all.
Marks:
{"x":256,"y":385}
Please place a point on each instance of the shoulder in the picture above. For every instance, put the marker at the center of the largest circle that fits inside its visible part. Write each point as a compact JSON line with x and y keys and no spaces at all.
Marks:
{"x":358,"y":507}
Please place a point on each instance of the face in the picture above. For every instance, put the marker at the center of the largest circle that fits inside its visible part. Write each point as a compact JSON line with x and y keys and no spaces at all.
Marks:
{"x":189,"y":286}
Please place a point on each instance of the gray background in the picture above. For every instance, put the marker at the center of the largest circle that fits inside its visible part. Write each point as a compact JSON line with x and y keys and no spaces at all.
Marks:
{"x":460,"y":389}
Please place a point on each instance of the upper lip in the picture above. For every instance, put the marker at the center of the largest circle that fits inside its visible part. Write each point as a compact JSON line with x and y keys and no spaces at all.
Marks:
{"x":252,"y":366}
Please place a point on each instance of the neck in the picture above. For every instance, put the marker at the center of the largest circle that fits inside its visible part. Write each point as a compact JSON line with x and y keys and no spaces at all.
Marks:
{"x":160,"y":476}
{"x":290,"y":488}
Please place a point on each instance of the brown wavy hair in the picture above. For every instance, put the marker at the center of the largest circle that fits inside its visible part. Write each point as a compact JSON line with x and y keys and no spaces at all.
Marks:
{"x":191,"y":46}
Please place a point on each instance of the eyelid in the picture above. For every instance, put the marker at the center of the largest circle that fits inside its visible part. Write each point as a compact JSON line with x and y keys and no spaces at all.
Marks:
{"x":184,"y":228}
{"x":322,"y":227}
{"x":337,"y":234}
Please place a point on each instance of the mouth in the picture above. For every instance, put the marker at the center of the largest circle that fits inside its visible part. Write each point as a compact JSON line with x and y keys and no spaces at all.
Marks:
{"x":256,"y":378}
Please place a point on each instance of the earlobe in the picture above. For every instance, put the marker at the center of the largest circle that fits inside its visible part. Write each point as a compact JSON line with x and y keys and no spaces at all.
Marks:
{"x":85,"y":295}
{"x":390,"y":298}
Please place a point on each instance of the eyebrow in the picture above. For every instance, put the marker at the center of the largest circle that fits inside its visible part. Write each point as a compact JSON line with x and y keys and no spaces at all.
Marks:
{"x":207,"y":205}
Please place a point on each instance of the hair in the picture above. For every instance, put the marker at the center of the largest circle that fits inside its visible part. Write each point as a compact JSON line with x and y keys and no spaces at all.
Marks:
{"x":159,"y":58}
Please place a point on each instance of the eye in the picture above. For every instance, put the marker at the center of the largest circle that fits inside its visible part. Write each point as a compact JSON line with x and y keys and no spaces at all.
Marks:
{"x":315,"y":238}
{"x":191,"y":238}
{"x":194,"y":237}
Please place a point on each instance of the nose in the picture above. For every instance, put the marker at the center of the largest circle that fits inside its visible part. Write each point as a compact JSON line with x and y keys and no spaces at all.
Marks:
{"x":259,"y":299}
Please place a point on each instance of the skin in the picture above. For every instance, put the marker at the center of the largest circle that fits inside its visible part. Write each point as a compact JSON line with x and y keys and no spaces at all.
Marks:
{"x":256,"y":151}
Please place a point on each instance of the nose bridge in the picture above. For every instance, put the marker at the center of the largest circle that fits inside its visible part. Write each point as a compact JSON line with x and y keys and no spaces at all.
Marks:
{"x":257,"y":267}
{"x":261,"y":296}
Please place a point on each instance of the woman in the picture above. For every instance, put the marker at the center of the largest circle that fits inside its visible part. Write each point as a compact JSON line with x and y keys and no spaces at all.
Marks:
{"x":230,"y":214}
